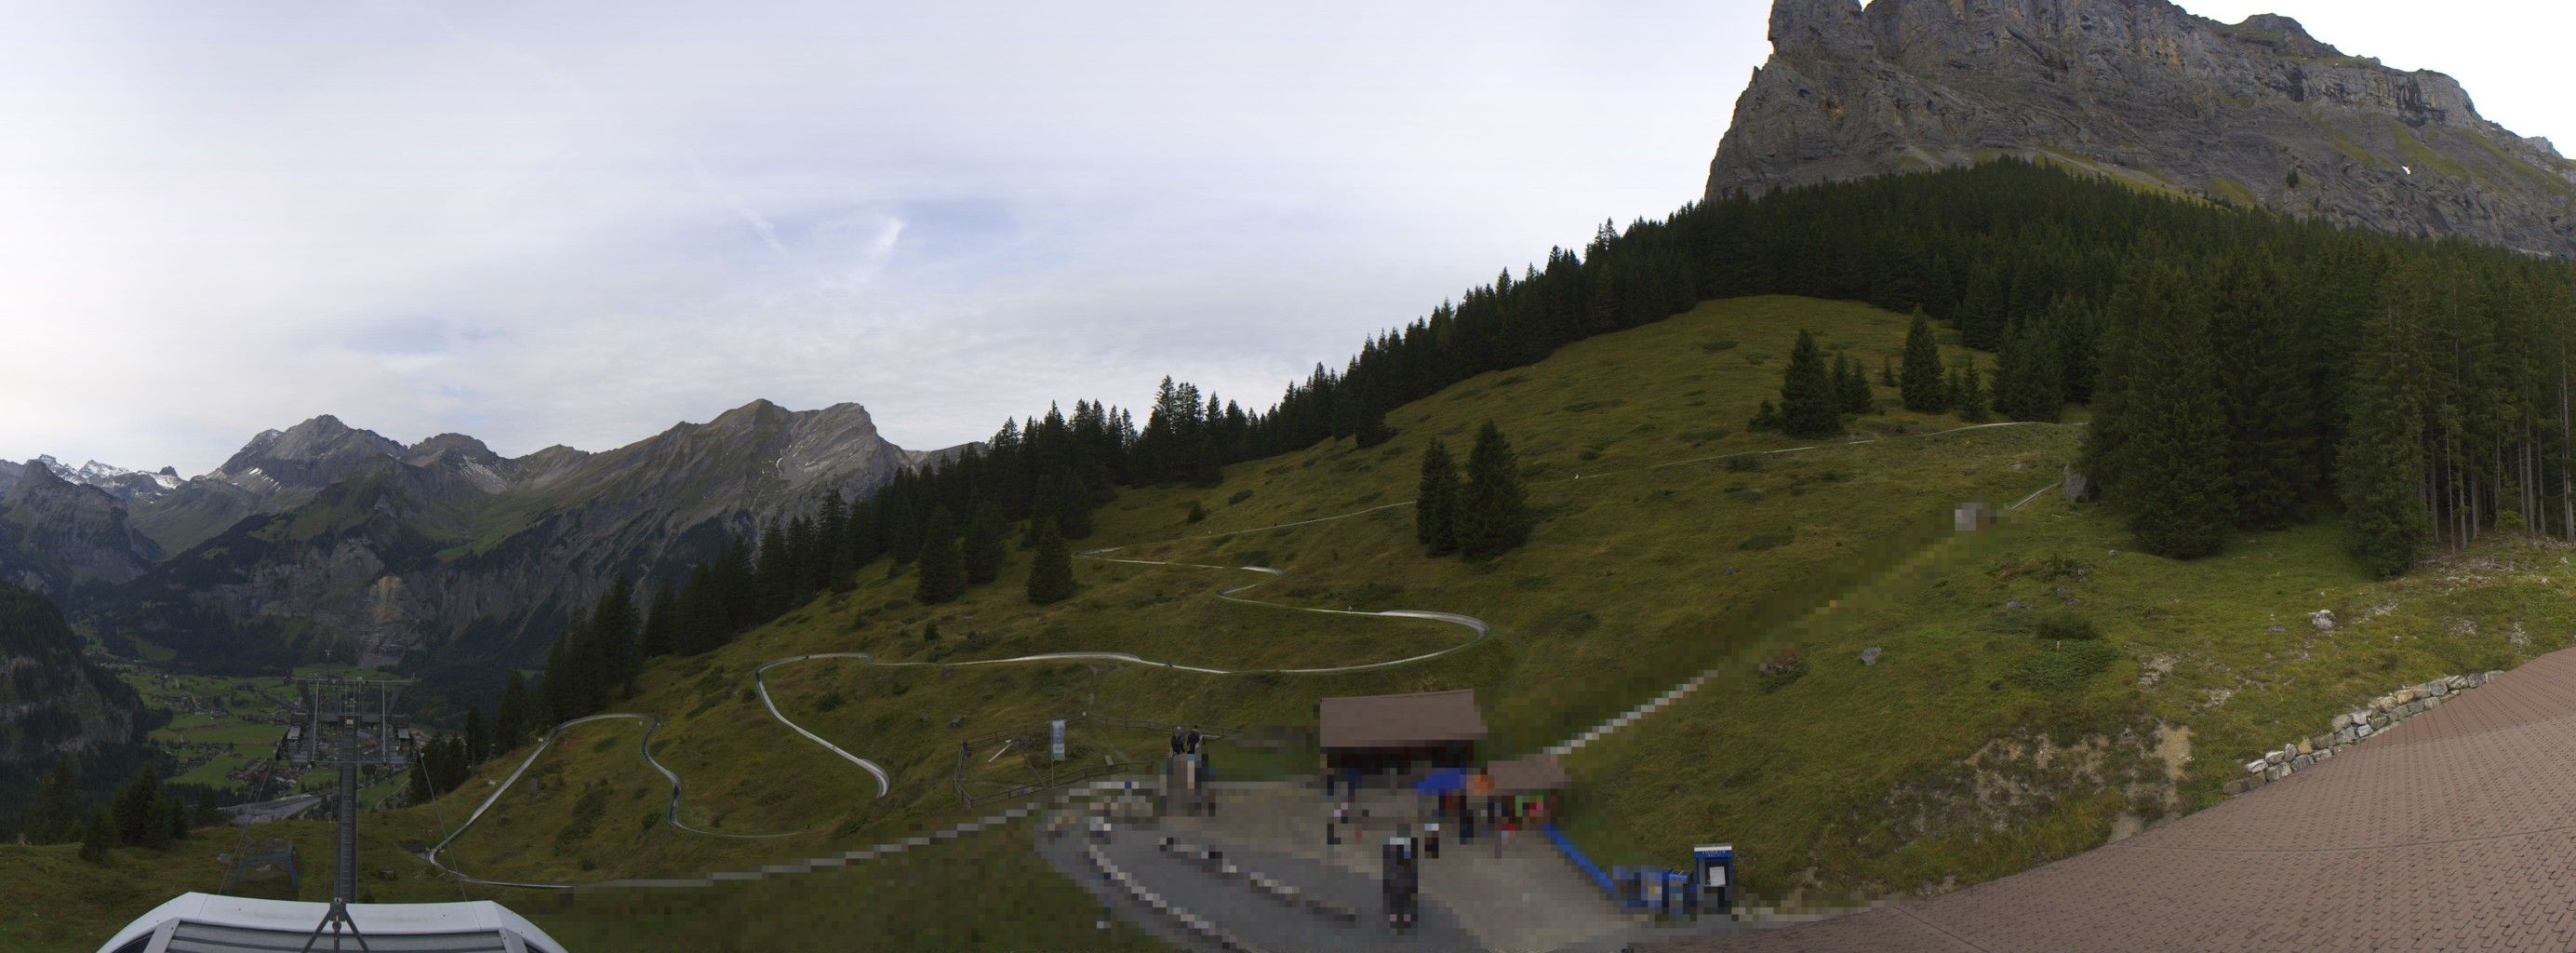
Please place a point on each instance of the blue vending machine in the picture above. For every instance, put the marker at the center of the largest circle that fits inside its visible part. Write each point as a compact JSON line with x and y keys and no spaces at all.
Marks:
{"x":1713,"y":871}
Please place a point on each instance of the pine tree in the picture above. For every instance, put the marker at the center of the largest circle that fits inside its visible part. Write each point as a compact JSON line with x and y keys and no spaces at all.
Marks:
{"x":1971,"y":395}
{"x":1766,"y":419}
{"x":831,"y":538}
{"x":660,"y":635}
{"x":1493,"y":514}
{"x":478,"y":742}
{"x":1808,"y":405}
{"x":141,"y":820}
{"x":97,"y":834}
{"x":1924,"y":386}
{"x":517,"y":714}
{"x":1073,"y":508}
{"x":982,"y":547}
{"x":1886,"y":372}
{"x":943,"y":562}
{"x":2026,"y":369}
{"x":777,"y":572}
{"x":612,"y":637}
{"x":1435,"y":510}
{"x":53,"y":814}
{"x":2380,"y":464}
{"x":2170,"y":472}
{"x":174,"y":816}
{"x":1051,"y":573}
{"x":1851,"y":387}
{"x":562,"y":684}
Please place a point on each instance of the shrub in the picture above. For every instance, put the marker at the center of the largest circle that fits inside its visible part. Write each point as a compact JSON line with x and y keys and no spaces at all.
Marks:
{"x":2065,"y":666}
{"x":2065,"y":625}
{"x":1744,"y":463}
{"x":1762,"y":541}
{"x":1781,"y":669}
{"x":1197,"y":513}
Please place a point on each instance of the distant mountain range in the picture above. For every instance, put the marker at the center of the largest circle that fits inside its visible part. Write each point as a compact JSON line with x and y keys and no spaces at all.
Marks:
{"x":2257,"y":113}
{"x":324,"y":540}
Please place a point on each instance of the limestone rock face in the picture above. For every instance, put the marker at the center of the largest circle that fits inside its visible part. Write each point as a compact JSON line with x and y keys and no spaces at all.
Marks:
{"x":2257,"y":112}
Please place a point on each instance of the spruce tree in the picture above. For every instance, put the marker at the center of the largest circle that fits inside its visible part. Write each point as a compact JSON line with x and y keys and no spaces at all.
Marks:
{"x":982,"y":547}
{"x":943,"y":562}
{"x":777,"y":572}
{"x":97,"y":834}
{"x":2026,"y":370}
{"x":1886,"y":372}
{"x":1924,"y":386}
{"x":2380,"y":464}
{"x":1971,"y":397}
{"x":141,"y":820}
{"x":1851,"y":387}
{"x":660,"y":635}
{"x":1051,"y":572}
{"x":1765,"y":419}
{"x":1435,"y":510}
{"x":478,"y":739}
{"x":53,"y":814}
{"x":613,"y":630}
{"x":1493,"y":514}
{"x":2170,"y":473}
{"x":517,"y":714}
{"x":1808,"y":405}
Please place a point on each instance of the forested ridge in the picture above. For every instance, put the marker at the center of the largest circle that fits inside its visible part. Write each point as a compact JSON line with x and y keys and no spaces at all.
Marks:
{"x":2245,"y":371}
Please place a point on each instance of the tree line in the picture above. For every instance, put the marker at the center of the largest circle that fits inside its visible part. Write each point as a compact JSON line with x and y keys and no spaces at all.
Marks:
{"x":2244,"y":370}
{"x":142,"y":812}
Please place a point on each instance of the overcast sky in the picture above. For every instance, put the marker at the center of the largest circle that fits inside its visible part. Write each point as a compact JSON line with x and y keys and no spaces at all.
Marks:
{"x":550,"y":223}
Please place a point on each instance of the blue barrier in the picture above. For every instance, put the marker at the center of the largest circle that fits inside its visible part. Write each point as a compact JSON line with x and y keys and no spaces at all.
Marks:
{"x":1582,"y":863}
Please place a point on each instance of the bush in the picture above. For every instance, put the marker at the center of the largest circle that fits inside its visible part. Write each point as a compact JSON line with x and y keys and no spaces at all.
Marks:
{"x":2065,"y":666}
{"x":1197,"y":513}
{"x":1786,"y":667}
{"x":1744,"y":463}
{"x":2065,"y":625}
{"x":1238,"y":497}
{"x":1764,"y":541}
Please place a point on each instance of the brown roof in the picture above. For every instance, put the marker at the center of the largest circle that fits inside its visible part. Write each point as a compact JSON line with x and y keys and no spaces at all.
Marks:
{"x":1538,"y":772}
{"x":1398,"y":721}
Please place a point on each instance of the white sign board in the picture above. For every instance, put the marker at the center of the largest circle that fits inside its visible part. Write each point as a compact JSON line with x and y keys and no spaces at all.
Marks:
{"x":1055,"y":739}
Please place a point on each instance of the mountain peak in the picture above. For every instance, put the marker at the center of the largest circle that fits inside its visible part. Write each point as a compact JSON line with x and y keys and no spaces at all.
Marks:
{"x":452,"y":445}
{"x":2256,"y":113}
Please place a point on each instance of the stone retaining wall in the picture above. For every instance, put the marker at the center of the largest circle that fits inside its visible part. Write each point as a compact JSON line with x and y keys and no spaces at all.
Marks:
{"x":2351,"y":727}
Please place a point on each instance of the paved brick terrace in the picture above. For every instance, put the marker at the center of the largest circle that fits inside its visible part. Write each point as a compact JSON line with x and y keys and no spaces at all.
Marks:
{"x":2455,"y":830}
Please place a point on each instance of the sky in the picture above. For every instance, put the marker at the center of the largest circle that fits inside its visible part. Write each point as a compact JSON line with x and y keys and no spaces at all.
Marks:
{"x":545,"y":223}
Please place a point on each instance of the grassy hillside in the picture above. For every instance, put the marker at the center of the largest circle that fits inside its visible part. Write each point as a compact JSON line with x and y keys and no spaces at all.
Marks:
{"x":1975,"y":746}
{"x":1654,"y":557}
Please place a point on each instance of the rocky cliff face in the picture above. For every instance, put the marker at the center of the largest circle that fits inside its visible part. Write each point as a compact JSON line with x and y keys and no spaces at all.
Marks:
{"x":57,"y":536}
{"x":2255,"y":113}
{"x":52,"y":700}
{"x":361,"y":549}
